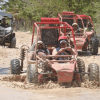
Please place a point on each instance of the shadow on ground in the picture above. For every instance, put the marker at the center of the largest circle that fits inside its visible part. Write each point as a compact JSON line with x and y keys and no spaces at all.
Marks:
{"x":4,"y":71}
{"x":86,"y":53}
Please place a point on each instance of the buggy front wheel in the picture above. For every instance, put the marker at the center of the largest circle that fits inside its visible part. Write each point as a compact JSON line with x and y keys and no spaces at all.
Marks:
{"x":15,"y":66}
{"x":93,"y":72}
{"x":32,"y":74}
{"x":81,"y":67}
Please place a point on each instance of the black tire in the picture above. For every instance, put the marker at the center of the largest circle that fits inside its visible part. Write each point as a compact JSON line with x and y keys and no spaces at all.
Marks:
{"x":13,"y":42}
{"x":81,"y":67}
{"x":32,"y":74}
{"x":15,"y":66}
{"x":99,"y":39}
{"x":94,"y":45}
{"x":93,"y":72}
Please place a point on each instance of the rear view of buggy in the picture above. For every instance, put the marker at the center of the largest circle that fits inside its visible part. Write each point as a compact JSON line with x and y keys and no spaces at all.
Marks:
{"x":42,"y":68}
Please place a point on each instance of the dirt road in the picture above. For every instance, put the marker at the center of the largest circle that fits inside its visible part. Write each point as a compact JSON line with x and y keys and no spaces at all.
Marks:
{"x":13,"y":89}
{"x":54,"y":94}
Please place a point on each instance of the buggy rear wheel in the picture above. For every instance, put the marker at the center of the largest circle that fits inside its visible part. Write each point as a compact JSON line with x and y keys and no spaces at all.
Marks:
{"x":13,"y":43}
{"x":99,"y":39}
{"x":81,"y":67}
{"x":93,"y":72}
{"x":15,"y":66}
{"x":32,"y":74}
{"x":94,"y":45}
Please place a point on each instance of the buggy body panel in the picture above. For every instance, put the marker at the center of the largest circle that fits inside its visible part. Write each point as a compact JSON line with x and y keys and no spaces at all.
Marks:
{"x":64,"y":72}
{"x":79,"y":42}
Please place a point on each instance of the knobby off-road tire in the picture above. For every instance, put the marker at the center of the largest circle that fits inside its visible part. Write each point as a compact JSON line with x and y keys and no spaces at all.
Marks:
{"x":81,"y":66}
{"x":32,"y":74}
{"x":99,"y":39}
{"x":94,"y":45}
{"x":13,"y":42}
{"x":15,"y":66}
{"x":93,"y":72}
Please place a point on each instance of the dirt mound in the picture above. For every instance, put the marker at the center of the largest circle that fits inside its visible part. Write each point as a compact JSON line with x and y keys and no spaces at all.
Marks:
{"x":19,"y":81}
{"x":10,"y":78}
{"x":91,"y":85}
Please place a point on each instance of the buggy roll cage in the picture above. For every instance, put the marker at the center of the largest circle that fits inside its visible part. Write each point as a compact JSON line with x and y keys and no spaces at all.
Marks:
{"x":87,"y":17}
{"x":70,"y":15}
{"x":52,"y":23}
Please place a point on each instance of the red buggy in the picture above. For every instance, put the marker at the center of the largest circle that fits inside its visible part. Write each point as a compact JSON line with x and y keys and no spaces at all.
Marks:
{"x":86,"y":40}
{"x":61,"y":71}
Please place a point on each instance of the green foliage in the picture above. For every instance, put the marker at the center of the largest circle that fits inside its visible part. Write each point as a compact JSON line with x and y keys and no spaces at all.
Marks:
{"x":33,"y":10}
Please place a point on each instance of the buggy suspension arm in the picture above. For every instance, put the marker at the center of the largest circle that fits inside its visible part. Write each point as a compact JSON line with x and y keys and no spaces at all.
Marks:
{"x":81,"y":72}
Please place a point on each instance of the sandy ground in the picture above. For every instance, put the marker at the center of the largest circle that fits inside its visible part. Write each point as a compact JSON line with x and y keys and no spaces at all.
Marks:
{"x":16,"y":88}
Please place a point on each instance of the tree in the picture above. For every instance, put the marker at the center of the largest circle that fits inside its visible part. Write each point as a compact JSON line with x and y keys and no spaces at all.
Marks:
{"x":33,"y":10}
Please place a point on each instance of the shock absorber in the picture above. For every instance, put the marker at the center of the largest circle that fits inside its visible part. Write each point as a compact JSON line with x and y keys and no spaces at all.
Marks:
{"x":22,"y":56}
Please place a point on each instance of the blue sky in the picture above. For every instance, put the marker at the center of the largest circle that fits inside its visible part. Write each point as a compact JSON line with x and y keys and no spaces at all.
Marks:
{"x":5,"y":1}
